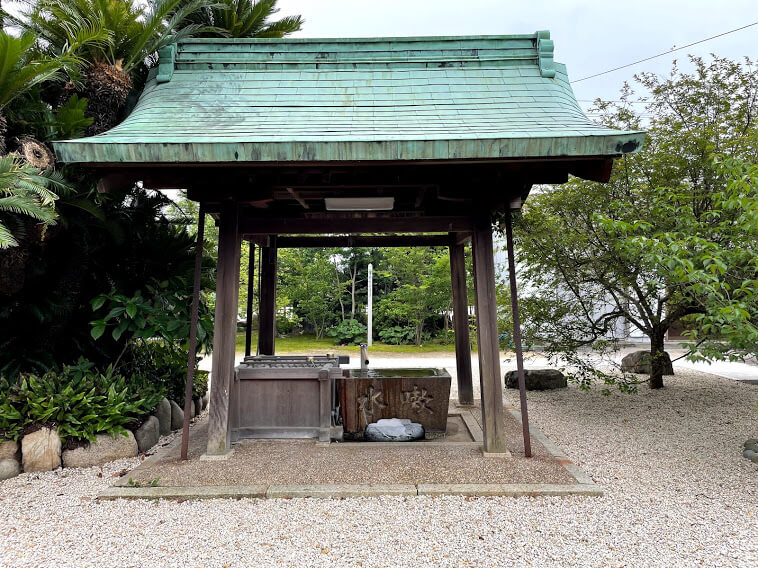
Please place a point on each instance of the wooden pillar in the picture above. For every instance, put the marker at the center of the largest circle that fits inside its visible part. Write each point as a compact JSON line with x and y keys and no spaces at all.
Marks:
{"x":460,"y":323}
{"x":517,"y":333}
{"x":486,"y":326}
{"x":250,"y":294}
{"x":194,"y":309}
{"x":267,"y":309}
{"x":225,"y":330}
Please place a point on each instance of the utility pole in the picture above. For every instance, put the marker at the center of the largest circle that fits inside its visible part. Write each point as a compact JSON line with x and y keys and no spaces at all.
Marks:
{"x":370,"y":315}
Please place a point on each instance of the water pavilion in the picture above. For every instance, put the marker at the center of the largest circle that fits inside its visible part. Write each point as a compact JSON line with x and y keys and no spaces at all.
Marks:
{"x":357,"y":142}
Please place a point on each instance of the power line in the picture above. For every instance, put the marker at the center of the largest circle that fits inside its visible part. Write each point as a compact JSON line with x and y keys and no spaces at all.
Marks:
{"x":665,"y":53}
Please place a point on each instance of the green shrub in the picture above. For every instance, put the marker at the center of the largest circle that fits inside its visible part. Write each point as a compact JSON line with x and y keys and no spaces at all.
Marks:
{"x":164,"y":365}
{"x":397,"y":335}
{"x":79,"y":401}
{"x":348,"y":332}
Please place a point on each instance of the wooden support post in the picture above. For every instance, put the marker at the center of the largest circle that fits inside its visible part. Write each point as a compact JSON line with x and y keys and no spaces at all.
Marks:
{"x":267,"y":309}
{"x":193,"y":331}
{"x":493,"y":416}
{"x":517,"y":334}
{"x":250,"y":294}
{"x":225,"y":330}
{"x":460,"y":322}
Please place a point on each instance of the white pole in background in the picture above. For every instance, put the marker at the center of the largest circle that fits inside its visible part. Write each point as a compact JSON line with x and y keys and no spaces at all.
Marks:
{"x":370,"y":314}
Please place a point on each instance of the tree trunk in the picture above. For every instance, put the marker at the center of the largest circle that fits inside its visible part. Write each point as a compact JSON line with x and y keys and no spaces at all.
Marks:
{"x":657,"y":360}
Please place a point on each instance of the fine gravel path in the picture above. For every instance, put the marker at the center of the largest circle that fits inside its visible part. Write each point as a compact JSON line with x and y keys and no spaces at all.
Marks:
{"x":678,"y":494}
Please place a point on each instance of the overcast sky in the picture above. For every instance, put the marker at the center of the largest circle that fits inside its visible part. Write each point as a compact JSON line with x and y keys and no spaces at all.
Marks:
{"x":590,"y":36}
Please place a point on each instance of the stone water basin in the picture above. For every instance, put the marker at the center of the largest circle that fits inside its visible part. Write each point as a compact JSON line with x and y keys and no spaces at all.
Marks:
{"x":421,"y":395}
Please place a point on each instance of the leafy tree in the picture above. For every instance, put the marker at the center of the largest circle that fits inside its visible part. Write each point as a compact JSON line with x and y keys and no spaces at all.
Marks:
{"x":672,"y":236}
{"x":307,"y":280}
{"x":422,"y":275}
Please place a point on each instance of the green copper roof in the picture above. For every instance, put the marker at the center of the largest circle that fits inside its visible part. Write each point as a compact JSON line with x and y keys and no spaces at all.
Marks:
{"x":294,"y":100}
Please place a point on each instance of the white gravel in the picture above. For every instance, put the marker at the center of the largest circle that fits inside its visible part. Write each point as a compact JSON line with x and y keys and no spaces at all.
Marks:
{"x":678,"y":493}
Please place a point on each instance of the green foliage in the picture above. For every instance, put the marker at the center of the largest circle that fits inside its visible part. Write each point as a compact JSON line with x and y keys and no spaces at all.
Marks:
{"x":397,"y":335}
{"x":242,"y":18}
{"x":20,"y":69}
{"x":162,"y":314}
{"x":69,"y":120}
{"x":45,"y":296}
{"x":25,"y":192}
{"x":348,"y":332}
{"x":671,"y":236}
{"x":118,"y":32}
{"x":161,"y":364}
{"x":308,"y":280}
{"x":79,"y":401}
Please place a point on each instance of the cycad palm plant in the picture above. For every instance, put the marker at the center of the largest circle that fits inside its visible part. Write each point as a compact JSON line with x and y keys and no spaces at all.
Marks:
{"x":132,"y":31}
{"x":243,"y":18}
{"x":20,"y":72}
{"x":24,"y":192}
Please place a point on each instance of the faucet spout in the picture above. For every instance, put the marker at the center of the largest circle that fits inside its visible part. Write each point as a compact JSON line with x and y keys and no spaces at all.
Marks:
{"x":364,"y":357}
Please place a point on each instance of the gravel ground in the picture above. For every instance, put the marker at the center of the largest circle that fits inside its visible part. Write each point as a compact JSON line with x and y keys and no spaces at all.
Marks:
{"x":678,"y":493}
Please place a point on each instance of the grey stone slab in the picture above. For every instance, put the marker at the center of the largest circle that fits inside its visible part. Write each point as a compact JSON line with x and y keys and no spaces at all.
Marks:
{"x":509,"y":489}
{"x":339,"y":490}
{"x":196,"y":492}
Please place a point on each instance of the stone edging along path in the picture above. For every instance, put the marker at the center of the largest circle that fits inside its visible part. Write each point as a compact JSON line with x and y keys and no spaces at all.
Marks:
{"x":342,"y":491}
{"x":42,"y":450}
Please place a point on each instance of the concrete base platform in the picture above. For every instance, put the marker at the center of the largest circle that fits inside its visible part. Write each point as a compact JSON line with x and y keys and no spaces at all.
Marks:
{"x":454,"y":465}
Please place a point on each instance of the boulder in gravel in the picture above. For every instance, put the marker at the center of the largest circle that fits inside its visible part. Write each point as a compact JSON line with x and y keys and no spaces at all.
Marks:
{"x":177,"y":416}
{"x":205,"y":401}
{"x":751,"y":444}
{"x":749,"y":454}
{"x":639,"y":362}
{"x":104,"y":449}
{"x":537,"y":379}
{"x":9,"y":450}
{"x":394,"y":430}
{"x":41,"y":450}
{"x":163,"y":414}
{"x":9,"y":467}
{"x":147,"y":435}
{"x":198,"y":406}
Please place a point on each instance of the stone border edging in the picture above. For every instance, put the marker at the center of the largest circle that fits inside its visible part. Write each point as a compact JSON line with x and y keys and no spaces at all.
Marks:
{"x":581,"y":477}
{"x":342,"y":491}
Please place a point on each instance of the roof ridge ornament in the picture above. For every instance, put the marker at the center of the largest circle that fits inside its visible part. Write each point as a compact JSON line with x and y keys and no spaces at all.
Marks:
{"x":545,"y":47}
{"x":166,"y":58}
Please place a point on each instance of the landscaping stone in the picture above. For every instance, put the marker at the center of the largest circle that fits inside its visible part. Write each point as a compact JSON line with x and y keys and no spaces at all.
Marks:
{"x":147,"y":435}
{"x":9,"y":450}
{"x":751,"y":444}
{"x":639,"y":362}
{"x":104,"y":449}
{"x":205,"y":401}
{"x":177,"y":416}
{"x":198,"y":406}
{"x":9,"y":467}
{"x":749,"y":454}
{"x":41,"y":450}
{"x":537,"y":379}
{"x":394,"y":430}
{"x":163,"y":414}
